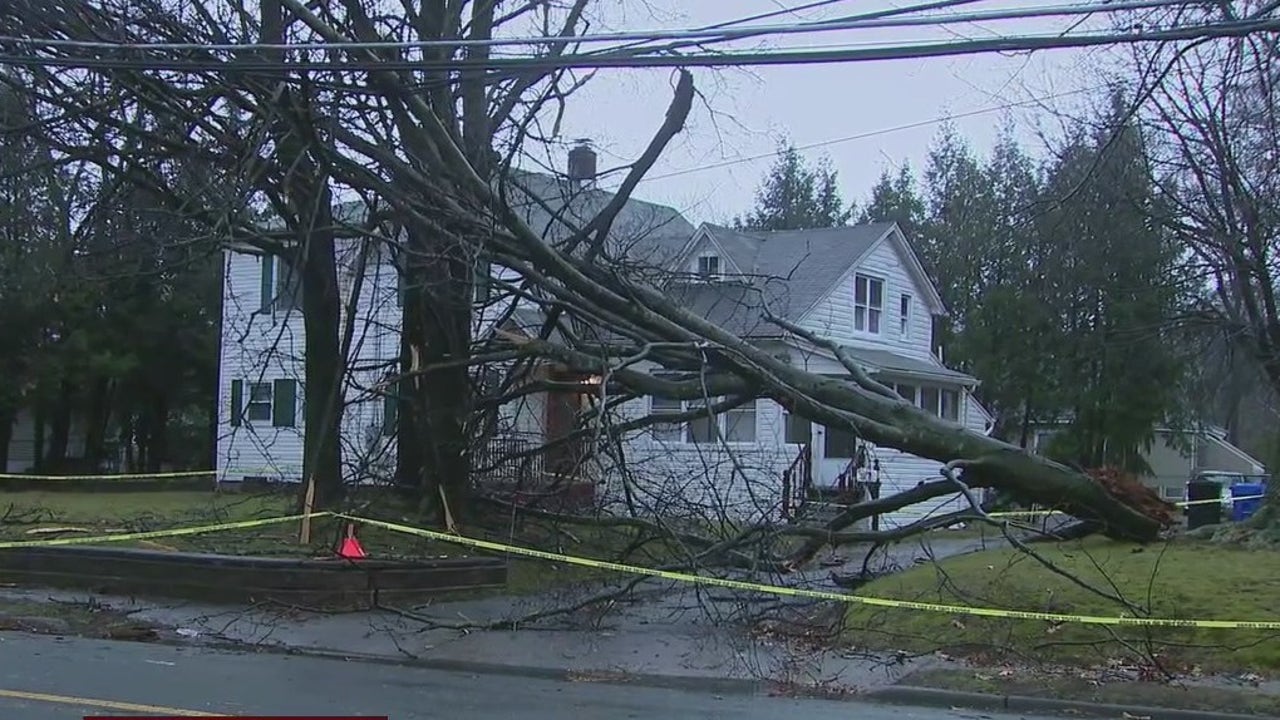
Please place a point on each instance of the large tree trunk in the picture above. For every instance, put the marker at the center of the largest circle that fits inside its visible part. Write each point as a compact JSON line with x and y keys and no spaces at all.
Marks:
{"x":8,"y":416}
{"x":321,"y":306}
{"x":96,"y":417}
{"x":157,"y":432}
{"x":437,"y":330}
{"x":307,"y":192}
{"x":60,"y":429}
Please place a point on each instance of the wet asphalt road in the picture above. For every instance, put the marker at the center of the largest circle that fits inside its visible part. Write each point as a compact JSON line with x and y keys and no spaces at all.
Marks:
{"x":48,"y":678}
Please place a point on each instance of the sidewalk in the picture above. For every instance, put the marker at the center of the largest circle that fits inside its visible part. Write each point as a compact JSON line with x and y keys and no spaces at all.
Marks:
{"x":664,"y":633}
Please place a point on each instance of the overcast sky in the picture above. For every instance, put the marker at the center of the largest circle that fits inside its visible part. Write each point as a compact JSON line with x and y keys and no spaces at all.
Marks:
{"x":707,"y":173}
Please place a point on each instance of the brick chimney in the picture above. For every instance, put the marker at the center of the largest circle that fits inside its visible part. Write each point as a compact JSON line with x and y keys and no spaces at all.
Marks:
{"x":582,"y":165}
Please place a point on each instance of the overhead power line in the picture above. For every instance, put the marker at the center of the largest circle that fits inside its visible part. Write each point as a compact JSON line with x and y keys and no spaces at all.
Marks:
{"x":1017,"y":43}
{"x":878,"y":20}
{"x":869,"y":134}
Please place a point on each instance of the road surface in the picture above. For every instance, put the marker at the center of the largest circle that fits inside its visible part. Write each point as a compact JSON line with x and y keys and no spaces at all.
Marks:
{"x":48,"y":678}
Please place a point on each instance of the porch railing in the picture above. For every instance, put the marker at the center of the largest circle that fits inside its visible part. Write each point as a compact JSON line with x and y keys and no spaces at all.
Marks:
{"x":797,"y":480}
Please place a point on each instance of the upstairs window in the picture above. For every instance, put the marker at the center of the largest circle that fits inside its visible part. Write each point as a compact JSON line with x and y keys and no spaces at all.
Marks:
{"x":868,"y":303}
{"x":708,"y":267}
{"x":280,"y":285}
{"x":904,"y":315}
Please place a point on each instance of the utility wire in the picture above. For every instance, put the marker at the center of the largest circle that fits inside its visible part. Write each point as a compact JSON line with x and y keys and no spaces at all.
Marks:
{"x":876,"y":20}
{"x":1016,"y":43}
{"x":922,"y":7}
{"x":870,"y":134}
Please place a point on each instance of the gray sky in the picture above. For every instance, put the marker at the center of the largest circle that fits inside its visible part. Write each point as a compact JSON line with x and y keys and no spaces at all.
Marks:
{"x":743,"y":111}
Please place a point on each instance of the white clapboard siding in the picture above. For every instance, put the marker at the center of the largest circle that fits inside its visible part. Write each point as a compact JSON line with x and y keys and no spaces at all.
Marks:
{"x":832,"y":316}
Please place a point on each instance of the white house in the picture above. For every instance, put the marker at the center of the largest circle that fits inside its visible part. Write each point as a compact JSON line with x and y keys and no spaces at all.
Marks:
{"x":861,"y":287}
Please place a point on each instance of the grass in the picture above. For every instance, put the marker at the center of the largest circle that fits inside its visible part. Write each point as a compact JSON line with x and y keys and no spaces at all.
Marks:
{"x":1182,"y":579}
{"x":92,"y":513}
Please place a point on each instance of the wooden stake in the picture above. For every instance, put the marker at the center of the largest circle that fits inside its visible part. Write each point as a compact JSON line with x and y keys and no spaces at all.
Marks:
{"x":304,"y":535}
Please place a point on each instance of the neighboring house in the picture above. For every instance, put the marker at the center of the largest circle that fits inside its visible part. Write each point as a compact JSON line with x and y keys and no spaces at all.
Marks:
{"x":24,"y":441}
{"x":1176,"y":455}
{"x":861,"y":287}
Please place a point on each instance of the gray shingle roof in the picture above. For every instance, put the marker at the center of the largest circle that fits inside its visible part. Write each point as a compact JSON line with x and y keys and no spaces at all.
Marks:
{"x":807,"y":262}
{"x":893,"y":363}
{"x":643,"y":231}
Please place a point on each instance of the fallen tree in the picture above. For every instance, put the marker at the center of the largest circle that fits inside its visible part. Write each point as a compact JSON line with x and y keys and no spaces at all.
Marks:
{"x":602,"y":316}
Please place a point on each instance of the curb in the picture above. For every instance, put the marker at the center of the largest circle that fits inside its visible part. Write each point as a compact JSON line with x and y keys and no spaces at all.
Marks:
{"x":933,"y":697}
{"x":724,"y":686}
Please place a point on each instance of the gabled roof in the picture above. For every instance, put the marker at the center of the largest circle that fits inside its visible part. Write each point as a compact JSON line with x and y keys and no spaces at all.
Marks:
{"x":811,"y":262}
{"x":643,"y":231}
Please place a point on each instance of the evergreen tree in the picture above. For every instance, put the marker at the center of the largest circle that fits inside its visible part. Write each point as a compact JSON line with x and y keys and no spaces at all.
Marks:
{"x":794,"y":196}
{"x":895,"y":199}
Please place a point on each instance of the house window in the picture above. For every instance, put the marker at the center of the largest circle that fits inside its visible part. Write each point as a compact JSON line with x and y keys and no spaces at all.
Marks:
{"x":740,"y":423}
{"x":931,"y":400}
{"x":273,"y":402}
{"x":281,"y":285}
{"x":736,"y":426}
{"x":259,"y":407}
{"x":906,"y":392}
{"x":868,"y":303}
{"x":666,"y":431}
{"x":904,"y":314}
{"x":938,"y":401}
{"x":708,"y":266}
{"x":951,"y":405}
{"x":798,"y":430}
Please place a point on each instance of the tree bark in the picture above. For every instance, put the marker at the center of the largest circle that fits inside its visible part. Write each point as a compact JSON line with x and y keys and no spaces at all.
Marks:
{"x":306,"y":190}
{"x":8,"y":416}
{"x":438,"y":330}
{"x":96,"y":418}
{"x":158,"y":432}
{"x":60,"y":429}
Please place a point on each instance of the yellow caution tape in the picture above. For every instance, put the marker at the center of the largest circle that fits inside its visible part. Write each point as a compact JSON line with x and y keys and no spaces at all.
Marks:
{"x":812,"y":594}
{"x":114,"y":476}
{"x":141,"y":476}
{"x":1184,"y":503}
{"x":151,"y":534}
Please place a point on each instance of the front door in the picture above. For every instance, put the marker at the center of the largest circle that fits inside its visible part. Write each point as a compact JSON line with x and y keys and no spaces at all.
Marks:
{"x":836,"y":448}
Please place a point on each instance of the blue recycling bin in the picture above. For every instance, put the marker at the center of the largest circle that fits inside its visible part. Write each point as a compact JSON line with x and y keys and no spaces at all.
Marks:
{"x":1246,"y":499}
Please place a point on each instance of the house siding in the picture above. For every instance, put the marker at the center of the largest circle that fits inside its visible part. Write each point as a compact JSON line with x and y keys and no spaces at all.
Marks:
{"x":22,"y":442}
{"x":257,"y":347}
{"x":833,"y":316}
{"x":739,"y":481}
{"x":900,"y":470}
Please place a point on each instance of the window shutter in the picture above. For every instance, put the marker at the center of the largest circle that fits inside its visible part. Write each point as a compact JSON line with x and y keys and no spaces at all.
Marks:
{"x":268,"y":282}
{"x":237,"y":402}
{"x":390,"y":410}
{"x":284,"y":401}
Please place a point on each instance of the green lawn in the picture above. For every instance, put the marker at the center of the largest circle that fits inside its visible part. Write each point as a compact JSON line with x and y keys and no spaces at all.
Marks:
{"x":95,"y":513}
{"x":1182,"y":579}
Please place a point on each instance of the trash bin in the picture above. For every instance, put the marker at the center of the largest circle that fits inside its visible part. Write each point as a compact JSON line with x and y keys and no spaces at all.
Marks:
{"x":1204,"y":503}
{"x":1246,"y":498}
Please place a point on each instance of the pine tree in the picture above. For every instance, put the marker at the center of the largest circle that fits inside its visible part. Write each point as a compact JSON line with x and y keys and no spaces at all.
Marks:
{"x":794,"y":196}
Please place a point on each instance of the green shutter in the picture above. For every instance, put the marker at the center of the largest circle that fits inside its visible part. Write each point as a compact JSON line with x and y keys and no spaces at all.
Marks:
{"x":390,"y":408}
{"x":284,"y":403}
{"x":481,"y":277}
{"x":237,"y":402}
{"x":268,"y":282}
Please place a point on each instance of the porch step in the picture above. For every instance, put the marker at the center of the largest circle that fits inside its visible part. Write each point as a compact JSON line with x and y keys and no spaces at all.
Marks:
{"x":817,"y":512}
